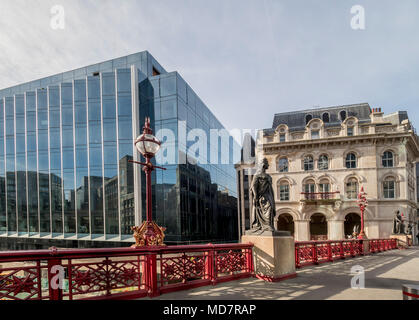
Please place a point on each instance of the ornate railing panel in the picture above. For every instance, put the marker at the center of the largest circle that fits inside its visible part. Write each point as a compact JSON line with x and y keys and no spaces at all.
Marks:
{"x":315,"y":252}
{"x":122,"y":273}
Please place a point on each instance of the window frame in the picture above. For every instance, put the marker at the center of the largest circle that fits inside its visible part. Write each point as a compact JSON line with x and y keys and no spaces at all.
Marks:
{"x":387,"y":160}
{"x":354,"y":193}
{"x":311,"y":163}
{"x":386,"y":191}
{"x":279,"y":164}
{"x":319,"y":162}
{"x":351,"y":161}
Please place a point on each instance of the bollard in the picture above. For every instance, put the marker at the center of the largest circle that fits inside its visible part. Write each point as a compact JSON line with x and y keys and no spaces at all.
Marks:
{"x":410,"y":292}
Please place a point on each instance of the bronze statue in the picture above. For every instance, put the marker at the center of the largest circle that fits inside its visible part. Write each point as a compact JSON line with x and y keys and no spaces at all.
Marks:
{"x":398,"y":225}
{"x":263,"y":203}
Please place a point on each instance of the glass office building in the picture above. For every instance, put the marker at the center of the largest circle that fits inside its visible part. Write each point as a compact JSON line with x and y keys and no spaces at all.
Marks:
{"x":65,"y":146}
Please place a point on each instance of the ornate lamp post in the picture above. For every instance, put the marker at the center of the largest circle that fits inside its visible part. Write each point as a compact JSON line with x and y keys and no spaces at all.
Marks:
{"x":149,"y":233}
{"x":362,"y":203}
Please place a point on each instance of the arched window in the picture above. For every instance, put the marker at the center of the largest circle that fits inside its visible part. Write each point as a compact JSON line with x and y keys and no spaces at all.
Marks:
{"x":342,"y":115}
{"x":323,"y":162}
{"x":352,"y":188}
{"x":309,"y":188}
{"x":350,"y":161}
{"x":283,"y":165}
{"x":389,"y":188}
{"x":325,"y":117}
{"x":284,"y":191}
{"x":387,"y":159}
{"x":324,"y":185}
{"x":308,"y":118}
{"x":308,"y":163}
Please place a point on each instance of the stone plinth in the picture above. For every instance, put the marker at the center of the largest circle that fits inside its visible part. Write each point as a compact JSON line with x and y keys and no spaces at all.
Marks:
{"x":273,"y":256}
{"x":403,"y":240}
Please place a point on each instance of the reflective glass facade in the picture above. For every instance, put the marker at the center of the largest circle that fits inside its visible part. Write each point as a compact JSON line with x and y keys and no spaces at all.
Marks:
{"x":65,"y":146}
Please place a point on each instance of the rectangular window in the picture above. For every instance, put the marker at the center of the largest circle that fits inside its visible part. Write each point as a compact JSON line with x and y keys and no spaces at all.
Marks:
{"x":282,"y":138}
{"x":284,"y":192}
{"x":315,"y":134}
{"x":389,"y":189}
{"x":350,"y":132}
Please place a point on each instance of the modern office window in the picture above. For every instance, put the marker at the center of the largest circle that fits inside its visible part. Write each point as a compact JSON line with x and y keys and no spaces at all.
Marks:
{"x":350,"y":161}
{"x":389,"y":188}
{"x":323,"y":163}
{"x":308,"y":163}
{"x":283,"y":165}
{"x":352,"y":188}
{"x":387,"y":159}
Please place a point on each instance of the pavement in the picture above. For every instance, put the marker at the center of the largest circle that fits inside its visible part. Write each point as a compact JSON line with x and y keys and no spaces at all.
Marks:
{"x":385,"y":273}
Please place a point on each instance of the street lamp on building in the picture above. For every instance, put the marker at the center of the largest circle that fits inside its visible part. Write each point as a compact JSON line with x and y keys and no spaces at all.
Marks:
{"x":149,"y":233}
{"x":362,"y":203}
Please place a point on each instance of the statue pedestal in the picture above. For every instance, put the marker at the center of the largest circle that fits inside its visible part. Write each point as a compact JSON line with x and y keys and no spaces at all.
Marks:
{"x":403,"y":240}
{"x":273,"y":256}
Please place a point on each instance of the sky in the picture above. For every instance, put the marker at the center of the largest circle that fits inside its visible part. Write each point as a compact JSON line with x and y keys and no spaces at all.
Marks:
{"x":246,"y":59}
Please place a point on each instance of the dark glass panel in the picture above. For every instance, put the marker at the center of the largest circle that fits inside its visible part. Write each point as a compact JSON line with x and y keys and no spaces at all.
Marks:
{"x":109,"y":130}
{"x":31,"y":121}
{"x":67,"y":119}
{"x":108,"y":84}
{"x":124,"y":80}
{"x":95,"y":132}
{"x":33,"y":196}
{"x":67,"y":137}
{"x":109,"y":108}
{"x":124,"y":106}
{"x":94,"y":111}
{"x":44,"y":203}
{"x":168,"y":85}
{"x":55,"y":139}
{"x":125,"y":128}
{"x":96,"y":201}
{"x":56,"y":202}
{"x":82,"y":201}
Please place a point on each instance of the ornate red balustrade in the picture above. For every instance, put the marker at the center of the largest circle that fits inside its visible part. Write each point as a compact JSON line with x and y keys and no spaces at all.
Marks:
{"x":119,"y":273}
{"x":315,"y":252}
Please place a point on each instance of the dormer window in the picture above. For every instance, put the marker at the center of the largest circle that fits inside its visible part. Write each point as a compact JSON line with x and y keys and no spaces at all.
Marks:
{"x":315,"y":134}
{"x":342,"y":115}
{"x":325,"y":117}
{"x":350,"y":131}
{"x":282,"y":137}
{"x":308,"y":118}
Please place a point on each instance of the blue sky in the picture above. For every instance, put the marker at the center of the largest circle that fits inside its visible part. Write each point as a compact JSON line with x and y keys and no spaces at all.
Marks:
{"x":247,"y":60}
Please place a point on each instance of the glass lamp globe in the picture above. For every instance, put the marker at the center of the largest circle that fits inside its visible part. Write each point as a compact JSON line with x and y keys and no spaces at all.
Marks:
{"x":147,"y":144}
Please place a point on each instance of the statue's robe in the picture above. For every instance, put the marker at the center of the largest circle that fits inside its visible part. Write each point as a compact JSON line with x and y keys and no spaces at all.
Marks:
{"x":264,"y":208}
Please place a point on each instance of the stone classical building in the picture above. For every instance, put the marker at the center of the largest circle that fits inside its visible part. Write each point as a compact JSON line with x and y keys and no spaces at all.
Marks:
{"x":320,"y":158}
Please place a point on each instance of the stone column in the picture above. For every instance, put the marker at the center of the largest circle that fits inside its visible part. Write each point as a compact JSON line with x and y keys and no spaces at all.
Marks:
{"x":302,"y":230}
{"x":335,"y":229}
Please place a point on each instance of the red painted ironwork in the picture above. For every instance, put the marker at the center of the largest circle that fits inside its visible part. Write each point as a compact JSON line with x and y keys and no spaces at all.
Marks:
{"x":362,"y":203}
{"x":315,"y":252}
{"x":120,"y":273}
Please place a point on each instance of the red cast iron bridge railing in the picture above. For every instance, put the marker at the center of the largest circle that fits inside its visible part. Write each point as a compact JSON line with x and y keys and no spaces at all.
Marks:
{"x":129,"y":273}
{"x":315,"y":252}
{"x":119,"y":273}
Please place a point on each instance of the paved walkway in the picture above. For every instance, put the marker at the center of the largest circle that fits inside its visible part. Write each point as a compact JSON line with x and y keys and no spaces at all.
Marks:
{"x":384,"y":275}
